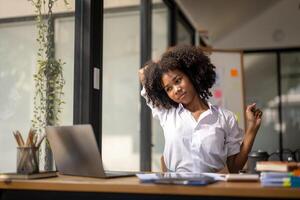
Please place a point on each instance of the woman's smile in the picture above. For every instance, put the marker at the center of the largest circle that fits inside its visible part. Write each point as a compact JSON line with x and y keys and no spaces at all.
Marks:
{"x":182,"y":96}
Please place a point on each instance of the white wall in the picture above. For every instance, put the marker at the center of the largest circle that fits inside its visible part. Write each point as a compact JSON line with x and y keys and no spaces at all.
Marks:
{"x":277,"y":27}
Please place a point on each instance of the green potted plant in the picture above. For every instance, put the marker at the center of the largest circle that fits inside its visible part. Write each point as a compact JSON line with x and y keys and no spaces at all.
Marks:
{"x":48,"y":79}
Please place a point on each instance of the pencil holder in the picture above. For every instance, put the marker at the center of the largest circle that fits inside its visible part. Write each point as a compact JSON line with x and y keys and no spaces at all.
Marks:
{"x":27,"y":160}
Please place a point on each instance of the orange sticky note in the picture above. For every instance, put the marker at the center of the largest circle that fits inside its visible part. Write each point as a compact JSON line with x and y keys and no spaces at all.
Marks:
{"x":234,"y":72}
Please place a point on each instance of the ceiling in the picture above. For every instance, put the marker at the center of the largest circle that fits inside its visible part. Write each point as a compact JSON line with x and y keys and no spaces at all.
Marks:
{"x":220,"y":17}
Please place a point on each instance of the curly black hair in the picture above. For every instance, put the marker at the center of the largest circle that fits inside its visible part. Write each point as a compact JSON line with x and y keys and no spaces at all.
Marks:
{"x":191,"y":61}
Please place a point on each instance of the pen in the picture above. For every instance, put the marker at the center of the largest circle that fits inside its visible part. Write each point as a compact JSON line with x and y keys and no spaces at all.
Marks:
{"x":20,"y":138}
{"x":17,"y":139}
{"x":30,"y":138}
{"x":35,"y":137}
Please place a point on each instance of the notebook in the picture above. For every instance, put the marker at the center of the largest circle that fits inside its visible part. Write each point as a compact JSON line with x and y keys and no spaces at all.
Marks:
{"x":13,"y":175}
{"x":76,"y":152}
{"x":241,"y":177}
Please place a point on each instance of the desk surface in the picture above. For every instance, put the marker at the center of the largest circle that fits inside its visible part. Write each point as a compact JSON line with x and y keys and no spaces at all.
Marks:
{"x":132,"y":185}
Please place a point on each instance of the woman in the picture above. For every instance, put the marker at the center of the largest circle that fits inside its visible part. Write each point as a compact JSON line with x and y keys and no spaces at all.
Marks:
{"x":199,"y":136}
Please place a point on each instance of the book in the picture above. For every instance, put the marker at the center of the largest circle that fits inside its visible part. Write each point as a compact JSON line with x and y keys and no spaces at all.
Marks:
{"x":43,"y":174}
{"x":277,"y":166}
{"x":242,"y":177}
{"x":279,"y":179}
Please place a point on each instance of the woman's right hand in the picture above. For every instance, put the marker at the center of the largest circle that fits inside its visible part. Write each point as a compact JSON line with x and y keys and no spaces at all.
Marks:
{"x":253,"y":117}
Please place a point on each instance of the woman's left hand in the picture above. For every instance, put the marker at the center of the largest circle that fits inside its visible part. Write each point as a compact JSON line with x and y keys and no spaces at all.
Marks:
{"x":253,"y":117}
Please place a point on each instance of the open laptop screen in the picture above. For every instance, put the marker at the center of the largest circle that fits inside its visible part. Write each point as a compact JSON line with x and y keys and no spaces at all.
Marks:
{"x":75,"y":150}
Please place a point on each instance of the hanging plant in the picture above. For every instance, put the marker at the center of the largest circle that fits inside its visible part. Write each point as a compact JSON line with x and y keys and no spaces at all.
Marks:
{"x":48,"y":79}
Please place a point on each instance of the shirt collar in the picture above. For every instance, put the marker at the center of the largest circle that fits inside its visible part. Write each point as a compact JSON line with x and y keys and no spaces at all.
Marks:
{"x":210,"y":107}
{"x":181,"y":108}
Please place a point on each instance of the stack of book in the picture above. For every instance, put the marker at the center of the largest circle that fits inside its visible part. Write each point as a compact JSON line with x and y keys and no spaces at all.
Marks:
{"x":279,"y":179}
{"x":279,"y":174}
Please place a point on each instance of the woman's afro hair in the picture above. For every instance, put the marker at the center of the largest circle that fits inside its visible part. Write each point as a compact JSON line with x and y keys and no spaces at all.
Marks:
{"x":190,"y":60}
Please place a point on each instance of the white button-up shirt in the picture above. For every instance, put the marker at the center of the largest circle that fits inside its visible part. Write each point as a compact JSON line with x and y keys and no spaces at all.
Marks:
{"x":198,"y":146}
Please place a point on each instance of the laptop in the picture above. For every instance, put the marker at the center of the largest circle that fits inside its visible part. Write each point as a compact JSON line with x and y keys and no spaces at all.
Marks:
{"x":76,"y":152}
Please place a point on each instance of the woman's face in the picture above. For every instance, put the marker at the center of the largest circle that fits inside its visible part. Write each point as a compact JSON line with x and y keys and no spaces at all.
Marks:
{"x":178,"y":87}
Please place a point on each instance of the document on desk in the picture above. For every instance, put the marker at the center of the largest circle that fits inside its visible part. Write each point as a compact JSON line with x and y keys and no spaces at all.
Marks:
{"x":176,"y":178}
{"x":234,"y":177}
{"x":216,"y":176}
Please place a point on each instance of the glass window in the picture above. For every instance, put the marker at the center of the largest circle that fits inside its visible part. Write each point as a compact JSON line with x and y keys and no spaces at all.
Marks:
{"x":17,"y":65}
{"x":64,"y":49}
{"x":261,"y":87}
{"x":121,"y":99}
{"x":159,"y":45}
{"x":183,"y":34}
{"x":290,"y":89}
{"x":18,"y":49}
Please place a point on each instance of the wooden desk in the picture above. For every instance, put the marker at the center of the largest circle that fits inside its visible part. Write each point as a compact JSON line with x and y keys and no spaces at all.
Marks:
{"x":130,"y":188}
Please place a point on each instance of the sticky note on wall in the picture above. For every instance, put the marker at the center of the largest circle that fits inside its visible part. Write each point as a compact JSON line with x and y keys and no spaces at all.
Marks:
{"x":234,"y":72}
{"x":218,"y":93}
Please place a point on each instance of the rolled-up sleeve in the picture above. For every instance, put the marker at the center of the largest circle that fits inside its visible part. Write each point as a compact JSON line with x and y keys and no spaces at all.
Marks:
{"x":234,"y":136}
{"x":158,"y":113}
